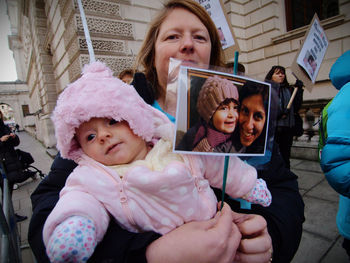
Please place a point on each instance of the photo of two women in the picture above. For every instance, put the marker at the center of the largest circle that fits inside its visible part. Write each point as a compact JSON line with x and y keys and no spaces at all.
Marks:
{"x":224,"y":114}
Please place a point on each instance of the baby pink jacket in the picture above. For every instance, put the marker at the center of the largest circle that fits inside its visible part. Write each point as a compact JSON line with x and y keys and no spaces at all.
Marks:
{"x":146,"y":200}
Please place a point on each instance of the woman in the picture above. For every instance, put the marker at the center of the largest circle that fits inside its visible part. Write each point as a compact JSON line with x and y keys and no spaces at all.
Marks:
{"x":281,"y":181}
{"x":253,"y":100}
{"x":185,"y":31}
{"x":286,"y":117}
{"x":8,"y":142}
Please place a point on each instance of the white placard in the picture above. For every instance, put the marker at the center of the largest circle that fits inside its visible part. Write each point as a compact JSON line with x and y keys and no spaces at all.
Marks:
{"x":314,"y":48}
{"x":216,"y":13}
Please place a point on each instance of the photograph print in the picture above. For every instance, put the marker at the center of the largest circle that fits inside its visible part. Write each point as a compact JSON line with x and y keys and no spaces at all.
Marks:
{"x":221,"y":114}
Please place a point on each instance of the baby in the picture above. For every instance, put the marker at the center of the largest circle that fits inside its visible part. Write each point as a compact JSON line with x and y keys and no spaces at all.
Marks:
{"x":127,"y":170}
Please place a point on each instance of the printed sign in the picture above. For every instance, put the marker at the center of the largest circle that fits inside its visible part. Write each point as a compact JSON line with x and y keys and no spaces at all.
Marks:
{"x":309,"y":58}
{"x":217,"y":12}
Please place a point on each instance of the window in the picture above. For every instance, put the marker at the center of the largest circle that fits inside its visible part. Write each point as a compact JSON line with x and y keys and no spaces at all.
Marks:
{"x":300,"y":12}
{"x":25,"y":110}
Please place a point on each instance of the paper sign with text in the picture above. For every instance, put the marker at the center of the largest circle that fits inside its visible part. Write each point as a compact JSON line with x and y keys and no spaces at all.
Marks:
{"x":217,"y":12}
{"x":310,"y":56}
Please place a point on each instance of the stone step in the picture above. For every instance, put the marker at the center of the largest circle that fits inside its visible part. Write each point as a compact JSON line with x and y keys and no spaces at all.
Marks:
{"x":305,"y":148}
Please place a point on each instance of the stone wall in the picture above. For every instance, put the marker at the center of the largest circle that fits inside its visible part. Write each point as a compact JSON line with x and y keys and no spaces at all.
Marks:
{"x":50,"y":49}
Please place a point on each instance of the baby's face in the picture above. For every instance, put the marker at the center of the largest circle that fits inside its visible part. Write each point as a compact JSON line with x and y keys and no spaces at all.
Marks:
{"x":225,"y":117}
{"x":110,"y":142}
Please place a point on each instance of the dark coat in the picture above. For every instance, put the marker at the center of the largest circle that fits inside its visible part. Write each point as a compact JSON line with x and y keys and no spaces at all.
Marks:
{"x":284,"y":217}
{"x":8,"y":154}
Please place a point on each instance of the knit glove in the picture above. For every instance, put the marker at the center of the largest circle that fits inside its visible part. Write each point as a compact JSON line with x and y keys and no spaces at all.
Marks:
{"x":260,"y":194}
{"x":299,"y":84}
{"x":74,"y":240}
{"x":203,"y":146}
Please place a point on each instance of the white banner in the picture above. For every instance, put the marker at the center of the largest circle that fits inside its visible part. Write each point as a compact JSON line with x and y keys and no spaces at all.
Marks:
{"x":216,"y":13}
{"x":314,"y":48}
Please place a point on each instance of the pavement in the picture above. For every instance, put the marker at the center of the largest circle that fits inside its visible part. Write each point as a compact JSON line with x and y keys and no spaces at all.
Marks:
{"x":320,"y":242}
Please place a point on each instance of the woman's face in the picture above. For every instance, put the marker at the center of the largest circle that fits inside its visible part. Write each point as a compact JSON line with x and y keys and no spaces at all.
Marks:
{"x":252,"y":119}
{"x":182,"y":36}
{"x":225,"y":117}
{"x":278,"y":76}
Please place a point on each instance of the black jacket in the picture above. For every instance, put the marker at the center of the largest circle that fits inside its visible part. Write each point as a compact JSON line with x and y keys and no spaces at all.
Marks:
{"x":8,"y":154}
{"x":284,"y":217}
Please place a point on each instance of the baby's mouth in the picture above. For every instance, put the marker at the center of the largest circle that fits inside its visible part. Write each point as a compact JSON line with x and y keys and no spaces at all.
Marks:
{"x":112,"y":148}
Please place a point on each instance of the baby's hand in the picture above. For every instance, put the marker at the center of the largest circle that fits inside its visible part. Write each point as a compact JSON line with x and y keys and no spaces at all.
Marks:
{"x":74,"y":240}
{"x":260,"y":194}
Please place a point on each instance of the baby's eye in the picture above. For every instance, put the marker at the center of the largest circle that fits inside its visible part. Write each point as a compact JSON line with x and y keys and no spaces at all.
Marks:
{"x":112,"y":122}
{"x":90,"y":137}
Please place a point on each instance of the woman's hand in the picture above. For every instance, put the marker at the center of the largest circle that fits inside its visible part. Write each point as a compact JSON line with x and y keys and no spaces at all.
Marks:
{"x":215,"y":240}
{"x":299,"y":84}
{"x":5,"y":137}
{"x":256,"y":243}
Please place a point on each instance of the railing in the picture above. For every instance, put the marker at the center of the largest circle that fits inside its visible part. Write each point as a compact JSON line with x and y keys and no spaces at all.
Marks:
{"x":10,"y":240}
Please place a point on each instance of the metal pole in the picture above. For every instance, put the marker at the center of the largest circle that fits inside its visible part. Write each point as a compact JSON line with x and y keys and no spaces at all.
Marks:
{"x":10,"y":250}
{"x":86,"y":32}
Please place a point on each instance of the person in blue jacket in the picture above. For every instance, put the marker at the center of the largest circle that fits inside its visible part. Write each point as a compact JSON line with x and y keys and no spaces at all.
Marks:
{"x":335,"y":157}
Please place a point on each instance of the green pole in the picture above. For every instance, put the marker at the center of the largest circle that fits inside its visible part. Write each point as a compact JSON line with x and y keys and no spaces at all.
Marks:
{"x":235,"y":67}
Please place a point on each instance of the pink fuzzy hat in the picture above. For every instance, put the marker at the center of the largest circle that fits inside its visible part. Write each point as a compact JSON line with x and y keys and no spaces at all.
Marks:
{"x":213,"y":92}
{"x":97,"y":94}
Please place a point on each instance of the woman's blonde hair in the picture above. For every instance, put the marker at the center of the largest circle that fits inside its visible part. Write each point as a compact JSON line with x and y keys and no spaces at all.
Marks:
{"x":146,"y":55}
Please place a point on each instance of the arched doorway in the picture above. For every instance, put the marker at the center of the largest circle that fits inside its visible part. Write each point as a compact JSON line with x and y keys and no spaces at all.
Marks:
{"x":9,"y":115}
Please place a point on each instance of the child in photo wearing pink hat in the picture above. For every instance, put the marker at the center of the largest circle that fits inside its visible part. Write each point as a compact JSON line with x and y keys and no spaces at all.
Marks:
{"x":127,"y":170}
{"x":217,"y":105}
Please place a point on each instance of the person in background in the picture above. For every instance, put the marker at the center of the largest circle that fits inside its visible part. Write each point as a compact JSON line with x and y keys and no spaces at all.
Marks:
{"x":230,"y":66}
{"x":8,"y":155}
{"x":126,"y":75}
{"x":285,"y":127}
{"x":184,"y":30}
{"x":335,"y":155}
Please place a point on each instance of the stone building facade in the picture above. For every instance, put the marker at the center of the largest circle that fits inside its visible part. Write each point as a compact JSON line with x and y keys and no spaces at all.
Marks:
{"x":50,"y":49}
{"x":14,"y":102}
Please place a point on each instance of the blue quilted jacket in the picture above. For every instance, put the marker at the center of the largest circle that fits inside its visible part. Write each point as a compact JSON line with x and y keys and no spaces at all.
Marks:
{"x":335,"y":159}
